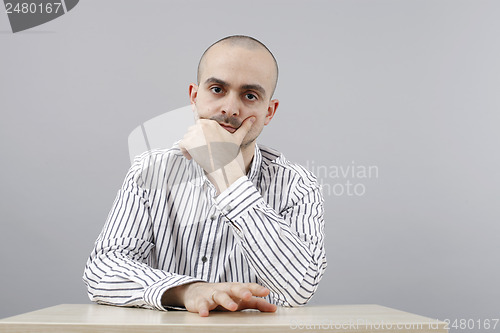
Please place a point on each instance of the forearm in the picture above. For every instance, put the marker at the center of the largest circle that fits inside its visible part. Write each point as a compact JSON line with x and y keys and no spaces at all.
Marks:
{"x":113,"y":277}
{"x":224,"y":177}
{"x":287,"y":266}
{"x":288,"y":260}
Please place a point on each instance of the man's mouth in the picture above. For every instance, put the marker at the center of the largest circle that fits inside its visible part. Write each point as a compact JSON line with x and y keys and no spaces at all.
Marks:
{"x":228,"y":128}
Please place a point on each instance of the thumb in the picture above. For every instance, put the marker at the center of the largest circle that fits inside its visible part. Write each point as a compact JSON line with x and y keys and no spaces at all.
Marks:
{"x":244,"y":128}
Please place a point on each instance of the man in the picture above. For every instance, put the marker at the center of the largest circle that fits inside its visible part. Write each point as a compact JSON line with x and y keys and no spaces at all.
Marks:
{"x":216,"y":222}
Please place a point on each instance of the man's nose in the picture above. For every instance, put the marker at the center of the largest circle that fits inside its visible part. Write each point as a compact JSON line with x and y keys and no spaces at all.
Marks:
{"x":231,"y":105}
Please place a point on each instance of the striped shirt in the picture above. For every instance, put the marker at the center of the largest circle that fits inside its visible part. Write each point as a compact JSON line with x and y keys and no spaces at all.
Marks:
{"x":167,"y":227}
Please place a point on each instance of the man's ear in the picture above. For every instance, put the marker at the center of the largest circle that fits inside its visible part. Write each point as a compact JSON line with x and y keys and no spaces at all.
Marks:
{"x":193,"y":93}
{"x":271,"y":110}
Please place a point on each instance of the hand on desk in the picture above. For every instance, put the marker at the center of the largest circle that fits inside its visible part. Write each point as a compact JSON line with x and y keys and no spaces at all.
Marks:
{"x":202,"y":297}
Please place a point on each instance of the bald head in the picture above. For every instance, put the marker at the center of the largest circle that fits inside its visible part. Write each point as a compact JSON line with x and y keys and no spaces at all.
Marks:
{"x":245,"y":42}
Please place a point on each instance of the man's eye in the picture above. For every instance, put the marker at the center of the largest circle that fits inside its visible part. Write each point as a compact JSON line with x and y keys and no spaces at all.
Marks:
{"x":216,"y":90}
{"x":251,"y":97}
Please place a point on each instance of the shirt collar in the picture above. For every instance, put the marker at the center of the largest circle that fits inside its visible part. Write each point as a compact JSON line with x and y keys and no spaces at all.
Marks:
{"x":254,"y":172}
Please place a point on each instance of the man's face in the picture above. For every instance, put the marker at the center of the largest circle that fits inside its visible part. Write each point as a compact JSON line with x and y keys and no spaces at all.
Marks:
{"x":235,"y":84}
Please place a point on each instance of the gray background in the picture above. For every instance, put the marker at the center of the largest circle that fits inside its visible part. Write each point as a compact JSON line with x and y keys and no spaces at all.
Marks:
{"x":411,"y":87}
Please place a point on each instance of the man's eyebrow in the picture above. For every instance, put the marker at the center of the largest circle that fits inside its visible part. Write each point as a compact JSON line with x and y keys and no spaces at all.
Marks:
{"x":256,"y":87}
{"x":216,"y":80}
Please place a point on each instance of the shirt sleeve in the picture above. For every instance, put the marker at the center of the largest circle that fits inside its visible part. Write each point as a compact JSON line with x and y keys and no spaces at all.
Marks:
{"x":120,"y":270}
{"x":285,"y":248}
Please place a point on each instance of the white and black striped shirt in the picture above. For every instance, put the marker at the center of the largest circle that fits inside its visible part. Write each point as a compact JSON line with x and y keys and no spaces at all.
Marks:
{"x":167,"y":227}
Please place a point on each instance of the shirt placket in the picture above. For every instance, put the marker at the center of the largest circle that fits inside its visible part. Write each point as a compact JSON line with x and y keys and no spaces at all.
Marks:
{"x":208,"y":237}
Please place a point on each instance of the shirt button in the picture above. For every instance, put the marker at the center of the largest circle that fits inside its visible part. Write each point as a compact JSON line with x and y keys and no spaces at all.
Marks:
{"x":213,"y":217}
{"x":204,"y":259}
{"x":227,"y":209}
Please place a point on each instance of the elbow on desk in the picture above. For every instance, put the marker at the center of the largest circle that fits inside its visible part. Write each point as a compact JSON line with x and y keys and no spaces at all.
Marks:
{"x":300,"y":294}
{"x":293,"y":298}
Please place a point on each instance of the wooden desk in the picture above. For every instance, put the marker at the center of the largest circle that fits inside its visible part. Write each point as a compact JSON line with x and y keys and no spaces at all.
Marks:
{"x":334,"y":318}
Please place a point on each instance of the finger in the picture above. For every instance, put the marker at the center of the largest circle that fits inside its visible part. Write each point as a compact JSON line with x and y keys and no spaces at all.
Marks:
{"x":265,"y":306}
{"x":259,"y":304}
{"x":223,"y":299}
{"x":241,"y":291}
{"x":244,"y":128}
{"x":203,"y":308}
{"x":257,"y":289}
{"x":185,"y":153}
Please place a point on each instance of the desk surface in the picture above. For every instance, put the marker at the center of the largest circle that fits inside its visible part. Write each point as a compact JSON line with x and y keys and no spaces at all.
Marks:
{"x":336,"y":318}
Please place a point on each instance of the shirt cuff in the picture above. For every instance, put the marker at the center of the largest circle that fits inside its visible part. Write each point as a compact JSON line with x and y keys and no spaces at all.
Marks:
{"x":153,"y":294}
{"x":238,"y":198}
